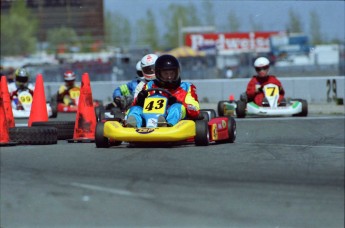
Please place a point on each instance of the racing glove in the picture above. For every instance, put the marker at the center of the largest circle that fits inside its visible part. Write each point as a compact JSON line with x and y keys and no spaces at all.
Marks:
{"x":172,"y":100}
{"x":141,"y":97}
{"x":117,"y":102}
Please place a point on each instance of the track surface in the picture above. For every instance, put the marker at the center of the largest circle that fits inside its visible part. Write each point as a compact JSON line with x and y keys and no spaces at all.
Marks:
{"x":281,"y":172}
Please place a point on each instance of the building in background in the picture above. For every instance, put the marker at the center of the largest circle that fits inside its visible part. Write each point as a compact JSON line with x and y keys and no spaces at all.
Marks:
{"x":84,"y":16}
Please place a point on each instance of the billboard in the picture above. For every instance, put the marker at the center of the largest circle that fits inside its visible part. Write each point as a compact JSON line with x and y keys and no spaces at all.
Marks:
{"x":230,"y":43}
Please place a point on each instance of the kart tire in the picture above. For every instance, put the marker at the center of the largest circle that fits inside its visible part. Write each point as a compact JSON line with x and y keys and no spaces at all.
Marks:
{"x":33,"y":135}
{"x":220,"y":108}
{"x":304,"y":111}
{"x":231,"y":131}
{"x":202,"y":135}
{"x":210,"y":112}
{"x":99,"y":111}
{"x":100,"y":140}
{"x":241,"y":109}
{"x":65,"y":129}
{"x":53,"y":105}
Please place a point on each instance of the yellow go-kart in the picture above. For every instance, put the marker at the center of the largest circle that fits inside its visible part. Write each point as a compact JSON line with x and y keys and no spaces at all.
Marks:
{"x":207,"y":128}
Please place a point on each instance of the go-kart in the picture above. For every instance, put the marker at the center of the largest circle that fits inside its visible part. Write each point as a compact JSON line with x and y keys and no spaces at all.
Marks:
{"x":201,"y":131}
{"x":269,"y":107}
{"x":21,"y":105}
{"x":70,"y":101}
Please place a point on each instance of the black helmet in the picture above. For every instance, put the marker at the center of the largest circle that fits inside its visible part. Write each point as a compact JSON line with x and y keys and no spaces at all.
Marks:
{"x":166,"y":63}
{"x":21,"y":76}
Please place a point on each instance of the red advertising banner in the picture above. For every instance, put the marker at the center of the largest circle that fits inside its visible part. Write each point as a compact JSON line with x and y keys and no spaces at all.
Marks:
{"x":231,"y":43}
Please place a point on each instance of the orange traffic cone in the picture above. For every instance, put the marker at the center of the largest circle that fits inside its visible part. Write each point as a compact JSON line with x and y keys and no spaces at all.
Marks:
{"x":38,"y":110}
{"x":4,"y":135}
{"x":231,"y":97}
{"x":7,"y":102}
{"x":85,"y":124}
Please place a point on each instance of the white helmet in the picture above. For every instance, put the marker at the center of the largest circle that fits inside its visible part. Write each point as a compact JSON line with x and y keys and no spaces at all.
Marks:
{"x":69,"y":76}
{"x":148,"y":66}
{"x":139,"y":71}
{"x":261,"y":62}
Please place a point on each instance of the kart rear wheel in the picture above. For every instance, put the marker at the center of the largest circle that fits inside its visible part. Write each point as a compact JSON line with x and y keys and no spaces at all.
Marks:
{"x":231,"y":131}
{"x":210,"y":112}
{"x":241,"y":109}
{"x":220,"y":108}
{"x":202,"y":135}
{"x":100,"y":140}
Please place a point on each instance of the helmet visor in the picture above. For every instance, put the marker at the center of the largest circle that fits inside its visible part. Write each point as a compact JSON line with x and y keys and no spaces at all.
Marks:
{"x":170,"y":75}
{"x":261,"y":68}
{"x":148,"y":69}
{"x":22,"y":79}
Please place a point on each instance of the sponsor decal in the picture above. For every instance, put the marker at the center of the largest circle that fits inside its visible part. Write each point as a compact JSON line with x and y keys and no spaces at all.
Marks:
{"x":144,"y":130}
{"x":223,"y":124}
{"x":214,"y":131}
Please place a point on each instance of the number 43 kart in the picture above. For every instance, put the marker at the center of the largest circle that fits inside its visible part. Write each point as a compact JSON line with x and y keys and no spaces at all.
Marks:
{"x":270,"y":106}
{"x":201,"y":131}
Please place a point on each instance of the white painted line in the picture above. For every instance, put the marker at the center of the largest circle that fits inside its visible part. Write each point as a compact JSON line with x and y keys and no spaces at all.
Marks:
{"x":290,"y":145}
{"x":290,"y":118}
{"x":21,"y":125}
{"x":111,"y":190}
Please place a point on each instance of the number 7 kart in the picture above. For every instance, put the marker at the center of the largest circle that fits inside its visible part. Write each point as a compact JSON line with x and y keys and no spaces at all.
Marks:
{"x":202,"y":131}
{"x":269,"y":107}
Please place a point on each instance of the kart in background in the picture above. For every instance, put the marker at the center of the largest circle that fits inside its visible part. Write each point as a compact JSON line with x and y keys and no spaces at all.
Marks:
{"x":207,"y":128}
{"x":70,"y":101}
{"x":270,"y":106}
{"x":21,"y":105}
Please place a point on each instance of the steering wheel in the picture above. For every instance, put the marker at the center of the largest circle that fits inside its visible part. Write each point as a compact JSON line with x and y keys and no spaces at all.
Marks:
{"x":160,"y":91}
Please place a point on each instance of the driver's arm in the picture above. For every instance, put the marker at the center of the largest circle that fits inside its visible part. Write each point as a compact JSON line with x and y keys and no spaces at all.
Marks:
{"x":191,"y":103}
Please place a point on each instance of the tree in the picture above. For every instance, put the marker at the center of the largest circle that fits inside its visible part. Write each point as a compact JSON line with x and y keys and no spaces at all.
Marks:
{"x":178,"y":17}
{"x":147,"y":31}
{"x":117,"y":29}
{"x":315,"y":28}
{"x":209,"y":18}
{"x":255,"y":25}
{"x":233,"y":21}
{"x":18,"y":30}
{"x":58,"y":37}
{"x":294,"y":23}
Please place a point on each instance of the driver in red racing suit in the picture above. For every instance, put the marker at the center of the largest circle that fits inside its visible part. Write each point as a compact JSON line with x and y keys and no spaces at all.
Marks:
{"x":254,"y":88}
{"x":184,"y":102}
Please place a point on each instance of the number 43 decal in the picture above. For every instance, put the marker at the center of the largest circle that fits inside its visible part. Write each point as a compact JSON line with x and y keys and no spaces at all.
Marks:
{"x":155,"y":105}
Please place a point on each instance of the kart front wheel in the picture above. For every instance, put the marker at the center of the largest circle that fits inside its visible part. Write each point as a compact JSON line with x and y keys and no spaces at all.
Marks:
{"x":241,"y":109}
{"x":100,"y":140}
{"x":202,"y":135}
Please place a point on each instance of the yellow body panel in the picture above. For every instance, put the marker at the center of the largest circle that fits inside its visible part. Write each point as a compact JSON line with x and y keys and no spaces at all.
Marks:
{"x":183,"y":130}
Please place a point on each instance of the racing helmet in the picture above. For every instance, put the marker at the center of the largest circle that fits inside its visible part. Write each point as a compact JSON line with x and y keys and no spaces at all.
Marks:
{"x":21,"y":77}
{"x":261,"y":63}
{"x":167,"y":70}
{"x":139,"y":71}
{"x":69,"y":76}
{"x":148,"y":66}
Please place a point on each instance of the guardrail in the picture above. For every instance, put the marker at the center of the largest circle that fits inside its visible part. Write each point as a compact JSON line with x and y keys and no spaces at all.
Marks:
{"x":313,"y":89}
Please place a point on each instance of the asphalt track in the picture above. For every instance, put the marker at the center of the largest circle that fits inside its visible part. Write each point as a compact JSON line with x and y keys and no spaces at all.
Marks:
{"x":280,"y":172}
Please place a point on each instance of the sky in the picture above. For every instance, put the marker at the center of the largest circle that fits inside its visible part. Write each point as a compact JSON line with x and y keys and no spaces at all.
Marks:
{"x":274,"y":15}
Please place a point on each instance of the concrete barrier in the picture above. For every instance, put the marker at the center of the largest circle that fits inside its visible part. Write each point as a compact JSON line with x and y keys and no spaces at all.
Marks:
{"x":317,"y":90}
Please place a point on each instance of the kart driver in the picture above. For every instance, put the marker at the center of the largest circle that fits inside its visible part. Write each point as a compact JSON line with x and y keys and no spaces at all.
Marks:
{"x":64,"y":90}
{"x":21,"y":83}
{"x":184,"y":102}
{"x":254,"y":88}
{"x":124,"y":93}
{"x":147,"y":65}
